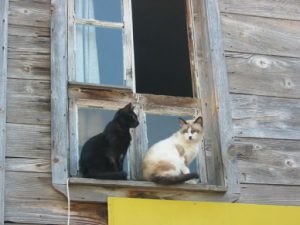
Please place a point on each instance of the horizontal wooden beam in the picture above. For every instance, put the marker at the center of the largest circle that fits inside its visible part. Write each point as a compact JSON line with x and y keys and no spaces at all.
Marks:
{"x":99,"y":23}
{"x":91,"y":190}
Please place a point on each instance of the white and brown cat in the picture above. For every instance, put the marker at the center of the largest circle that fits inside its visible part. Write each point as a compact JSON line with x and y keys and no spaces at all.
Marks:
{"x":167,"y":161}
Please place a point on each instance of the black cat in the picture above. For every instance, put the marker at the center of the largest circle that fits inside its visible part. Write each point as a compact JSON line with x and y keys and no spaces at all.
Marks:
{"x":102,"y":156}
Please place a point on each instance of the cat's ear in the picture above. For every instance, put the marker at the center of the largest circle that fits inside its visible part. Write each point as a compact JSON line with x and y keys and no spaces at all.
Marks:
{"x":128,"y":106}
{"x":181,"y":122}
{"x":199,"y":120}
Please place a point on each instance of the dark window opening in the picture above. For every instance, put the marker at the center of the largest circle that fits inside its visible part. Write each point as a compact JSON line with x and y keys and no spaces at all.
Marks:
{"x":162,"y":64}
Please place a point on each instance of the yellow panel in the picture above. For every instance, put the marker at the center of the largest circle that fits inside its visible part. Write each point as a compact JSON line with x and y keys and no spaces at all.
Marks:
{"x":126,"y":211}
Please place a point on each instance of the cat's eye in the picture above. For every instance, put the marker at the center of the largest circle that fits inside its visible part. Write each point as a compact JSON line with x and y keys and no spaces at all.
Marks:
{"x":194,"y":131}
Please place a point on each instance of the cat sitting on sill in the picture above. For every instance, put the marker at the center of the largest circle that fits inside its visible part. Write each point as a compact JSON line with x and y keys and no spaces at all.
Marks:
{"x":167,"y":161}
{"x":102,"y":156}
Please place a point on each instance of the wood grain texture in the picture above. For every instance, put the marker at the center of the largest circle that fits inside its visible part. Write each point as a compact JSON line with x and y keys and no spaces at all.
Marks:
{"x":283,"y":9}
{"x":28,"y":141}
{"x":28,"y":101}
{"x":263,"y":75}
{"x":203,"y":64}
{"x":222,"y":109}
{"x":30,"y":13}
{"x":28,"y":165}
{"x":3,"y":84}
{"x":54,"y":212}
{"x":30,"y":185}
{"x":270,"y":194}
{"x":265,"y":117}
{"x":268,"y":161}
{"x":29,"y":64}
{"x":128,"y":45}
{"x":99,"y":191}
{"x":59,"y":96}
{"x":249,"y":34}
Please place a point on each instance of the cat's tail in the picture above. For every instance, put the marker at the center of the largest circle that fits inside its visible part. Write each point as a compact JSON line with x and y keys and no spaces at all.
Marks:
{"x":165,"y":180}
{"x":108,"y":175}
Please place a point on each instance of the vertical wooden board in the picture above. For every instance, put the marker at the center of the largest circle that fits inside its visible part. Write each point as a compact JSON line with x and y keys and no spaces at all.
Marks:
{"x":124,"y":211}
{"x":74,"y":138}
{"x":128,"y":45}
{"x":215,"y":96}
{"x":222,"y":111}
{"x":249,"y":34}
{"x":139,"y":145}
{"x":284,"y":9}
{"x":59,"y":97}
{"x":251,"y":74}
{"x":203,"y":66}
{"x":3,"y":83}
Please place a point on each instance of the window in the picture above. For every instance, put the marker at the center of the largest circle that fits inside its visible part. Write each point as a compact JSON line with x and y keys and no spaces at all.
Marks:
{"x":157,"y":55}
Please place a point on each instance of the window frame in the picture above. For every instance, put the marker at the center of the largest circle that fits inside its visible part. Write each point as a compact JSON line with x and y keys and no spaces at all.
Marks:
{"x":210,"y":70}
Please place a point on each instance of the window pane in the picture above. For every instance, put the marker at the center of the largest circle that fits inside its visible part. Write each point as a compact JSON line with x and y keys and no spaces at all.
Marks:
{"x":161,"y":47}
{"x":92,"y":121}
{"x":107,"y":10}
{"x":160,"y":127}
{"x":99,"y":55}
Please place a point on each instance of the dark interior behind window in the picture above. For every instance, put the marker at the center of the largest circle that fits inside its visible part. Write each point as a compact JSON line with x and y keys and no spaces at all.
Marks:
{"x":161,"y":47}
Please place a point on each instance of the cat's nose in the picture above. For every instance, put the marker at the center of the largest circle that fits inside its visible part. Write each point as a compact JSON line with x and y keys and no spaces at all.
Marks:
{"x":190,"y":137}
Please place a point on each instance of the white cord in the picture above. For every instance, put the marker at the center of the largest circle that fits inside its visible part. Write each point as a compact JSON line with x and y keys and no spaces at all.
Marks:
{"x":69,"y":202}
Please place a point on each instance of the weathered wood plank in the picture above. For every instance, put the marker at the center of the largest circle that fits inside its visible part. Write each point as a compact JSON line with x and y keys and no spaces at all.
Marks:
{"x":28,"y":141}
{"x":28,"y":165}
{"x":266,"y":117}
{"x":268,"y":161}
{"x":93,"y":22}
{"x":87,"y":191}
{"x":29,"y":44}
{"x":284,"y":9}
{"x":21,"y":224}
{"x":59,"y":95}
{"x":24,"y":31}
{"x":221,"y":111}
{"x":54,"y":212}
{"x":30,"y":13}
{"x":128,"y":45}
{"x":28,"y":101}
{"x":3,"y":83}
{"x":270,"y":194}
{"x":30,"y":185}
{"x":267,"y":36}
{"x":30,"y":66}
{"x":263,"y":75}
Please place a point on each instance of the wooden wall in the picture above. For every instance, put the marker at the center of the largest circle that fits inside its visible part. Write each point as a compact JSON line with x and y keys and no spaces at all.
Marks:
{"x":262,"y":46}
{"x":263,"y":58}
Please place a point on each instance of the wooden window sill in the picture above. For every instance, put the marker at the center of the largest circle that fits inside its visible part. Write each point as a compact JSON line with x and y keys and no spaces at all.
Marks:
{"x":92,"y":190}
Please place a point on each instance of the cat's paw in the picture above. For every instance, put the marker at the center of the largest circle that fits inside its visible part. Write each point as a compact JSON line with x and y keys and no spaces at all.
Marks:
{"x":192,"y":181}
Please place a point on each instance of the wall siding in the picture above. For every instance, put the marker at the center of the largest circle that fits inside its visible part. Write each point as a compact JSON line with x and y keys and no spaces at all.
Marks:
{"x":263,"y":68}
{"x":263,"y":61}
